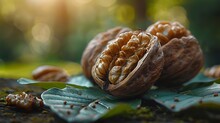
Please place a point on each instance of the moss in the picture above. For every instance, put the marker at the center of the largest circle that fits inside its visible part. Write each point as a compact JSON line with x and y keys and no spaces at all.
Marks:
{"x":7,"y":114}
{"x":141,"y":113}
{"x":4,"y":93}
{"x":17,"y":90}
{"x":41,"y":120}
{"x":8,"y":90}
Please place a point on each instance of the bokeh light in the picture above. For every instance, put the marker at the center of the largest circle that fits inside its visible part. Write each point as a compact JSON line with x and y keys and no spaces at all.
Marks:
{"x":106,"y":3}
{"x":169,"y":10}
{"x":7,"y":7}
{"x":61,"y":29}
{"x":41,"y":32}
{"x":125,"y":13}
{"x":81,"y":2}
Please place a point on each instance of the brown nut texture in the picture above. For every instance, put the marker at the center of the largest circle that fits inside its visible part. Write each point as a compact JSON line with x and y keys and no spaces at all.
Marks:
{"x":182,"y":53}
{"x":24,"y":101}
{"x":50,"y":73}
{"x":129,"y":65}
{"x":96,"y":45}
{"x":213,"y":72}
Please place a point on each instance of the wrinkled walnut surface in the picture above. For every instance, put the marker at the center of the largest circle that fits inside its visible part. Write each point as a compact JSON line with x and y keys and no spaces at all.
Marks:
{"x":50,"y":73}
{"x":166,"y":31}
{"x":129,"y":64}
{"x":24,"y":101}
{"x":96,"y":46}
{"x":121,"y":56}
{"x":182,"y":53}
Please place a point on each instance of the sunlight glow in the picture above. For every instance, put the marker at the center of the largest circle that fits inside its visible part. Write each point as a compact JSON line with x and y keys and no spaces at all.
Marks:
{"x":168,"y":10}
{"x":106,"y":3}
{"x":81,"y":2}
{"x":7,"y":7}
{"x":125,"y":13}
{"x":41,"y":32}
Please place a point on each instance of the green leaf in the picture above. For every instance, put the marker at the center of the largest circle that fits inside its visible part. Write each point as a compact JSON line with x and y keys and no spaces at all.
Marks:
{"x":81,"y":80}
{"x":200,"y":78}
{"x":194,"y":94}
{"x":18,"y":70}
{"x":89,"y":104}
{"x":76,"y":81}
{"x":118,"y":109}
{"x":195,"y":85}
{"x":44,"y":85}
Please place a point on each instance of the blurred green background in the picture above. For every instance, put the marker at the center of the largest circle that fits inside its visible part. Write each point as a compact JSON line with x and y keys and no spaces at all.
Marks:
{"x":48,"y":30}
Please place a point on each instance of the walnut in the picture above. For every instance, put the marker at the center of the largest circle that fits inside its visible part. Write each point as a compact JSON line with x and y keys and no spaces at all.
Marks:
{"x":24,"y":101}
{"x":50,"y":73}
{"x":213,"y":72}
{"x":128,"y":65}
{"x":165,"y":31}
{"x":95,"y":46}
{"x":182,"y":53}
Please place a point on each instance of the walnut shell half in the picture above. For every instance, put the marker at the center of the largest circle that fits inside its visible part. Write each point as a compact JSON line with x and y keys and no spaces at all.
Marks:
{"x":182,"y":53}
{"x":129,"y":64}
{"x":95,"y":46}
{"x":50,"y":73}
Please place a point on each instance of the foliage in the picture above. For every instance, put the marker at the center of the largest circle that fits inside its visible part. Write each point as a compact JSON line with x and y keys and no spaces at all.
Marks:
{"x":80,"y":80}
{"x":44,"y":85}
{"x":82,"y":92}
{"x":76,"y":81}
{"x":194,"y":94}
{"x":85,"y":104}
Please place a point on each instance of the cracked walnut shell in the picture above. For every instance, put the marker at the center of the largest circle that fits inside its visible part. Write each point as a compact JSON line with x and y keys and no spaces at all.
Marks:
{"x":129,"y":64}
{"x":182,"y":53}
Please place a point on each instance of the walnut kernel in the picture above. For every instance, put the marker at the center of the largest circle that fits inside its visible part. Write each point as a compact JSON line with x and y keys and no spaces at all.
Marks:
{"x":96,"y":45}
{"x":24,"y":101}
